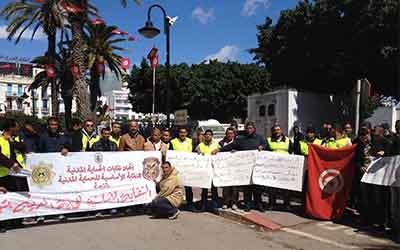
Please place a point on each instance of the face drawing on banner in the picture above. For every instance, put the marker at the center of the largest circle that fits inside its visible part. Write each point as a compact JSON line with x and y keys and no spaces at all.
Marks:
{"x":42,"y":174}
{"x":331,"y":181}
{"x":151,"y":169}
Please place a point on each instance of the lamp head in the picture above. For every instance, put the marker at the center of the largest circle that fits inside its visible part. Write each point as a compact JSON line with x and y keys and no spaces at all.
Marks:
{"x":149,"y":31}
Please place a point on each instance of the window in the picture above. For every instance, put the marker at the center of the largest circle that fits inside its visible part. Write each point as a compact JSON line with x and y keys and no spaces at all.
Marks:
{"x":9,"y":89}
{"x":44,"y":104}
{"x":20,"y":90}
{"x":19,"y":104}
{"x":271,"y":110}
{"x":261,"y":110}
{"x":9,"y":103}
{"x":44,"y":93}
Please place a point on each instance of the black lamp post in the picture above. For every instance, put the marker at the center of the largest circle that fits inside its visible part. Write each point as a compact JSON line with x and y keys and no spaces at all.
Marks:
{"x":149,"y":31}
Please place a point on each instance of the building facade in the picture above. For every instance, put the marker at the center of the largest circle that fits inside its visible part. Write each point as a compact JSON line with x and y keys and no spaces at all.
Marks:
{"x":15,"y":79}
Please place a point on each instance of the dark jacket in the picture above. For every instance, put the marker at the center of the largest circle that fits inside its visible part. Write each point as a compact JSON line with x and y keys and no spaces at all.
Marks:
{"x":31,"y":141}
{"x":381,"y":144}
{"x":246,"y":142}
{"x":49,"y":143}
{"x":104,"y":146}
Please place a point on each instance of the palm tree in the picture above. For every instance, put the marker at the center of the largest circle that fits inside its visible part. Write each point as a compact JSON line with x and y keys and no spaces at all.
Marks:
{"x":48,"y":15}
{"x":77,"y":21}
{"x":63,"y":79}
{"x":101,"y":45}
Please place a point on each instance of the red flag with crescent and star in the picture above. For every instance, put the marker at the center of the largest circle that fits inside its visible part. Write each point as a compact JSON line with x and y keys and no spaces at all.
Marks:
{"x":330,"y":174}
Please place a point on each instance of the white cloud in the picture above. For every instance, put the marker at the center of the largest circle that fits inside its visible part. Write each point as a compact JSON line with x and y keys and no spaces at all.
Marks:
{"x":203,"y":16}
{"x":250,"y":6}
{"x":229,"y":52}
{"x":40,"y":35}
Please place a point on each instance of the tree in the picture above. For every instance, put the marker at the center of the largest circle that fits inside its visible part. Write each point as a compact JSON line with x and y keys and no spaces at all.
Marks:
{"x":23,"y":15}
{"x":101,"y":47}
{"x":77,"y":19}
{"x":63,"y":79}
{"x":326,"y":45}
{"x":208,"y":90}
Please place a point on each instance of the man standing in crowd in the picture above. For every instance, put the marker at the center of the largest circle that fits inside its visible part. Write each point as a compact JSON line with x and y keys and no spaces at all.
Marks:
{"x":279,"y":143}
{"x":8,"y":163}
{"x":29,"y":137}
{"x":86,"y":138}
{"x":166,"y":137}
{"x":155,"y":143}
{"x":250,"y":141}
{"x":115,"y":132}
{"x":206,"y":148}
{"x":52,"y":140}
{"x":395,"y":189}
{"x":170,"y":197}
{"x":310,"y":138}
{"x":348,"y":130}
{"x":230,"y":195}
{"x":104,"y":144}
{"x":375,"y":198}
{"x":184,"y":144}
{"x":132,"y":141}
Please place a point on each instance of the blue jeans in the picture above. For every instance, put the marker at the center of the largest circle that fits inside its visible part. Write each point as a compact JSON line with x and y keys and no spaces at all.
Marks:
{"x":161,"y":207}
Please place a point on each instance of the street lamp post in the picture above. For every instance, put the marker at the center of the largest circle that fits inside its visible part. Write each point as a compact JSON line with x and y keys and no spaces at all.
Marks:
{"x":149,"y":31}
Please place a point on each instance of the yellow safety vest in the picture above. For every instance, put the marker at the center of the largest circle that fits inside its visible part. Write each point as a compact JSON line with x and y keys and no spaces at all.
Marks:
{"x":304,"y":146}
{"x":208,"y":149}
{"x":185,"y":146}
{"x":5,"y":150}
{"x":339,"y":143}
{"x":343,"y":142}
{"x":85,"y":140}
{"x":279,"y":146}
{"x":115,"y":140}
{"x":21,"y":159}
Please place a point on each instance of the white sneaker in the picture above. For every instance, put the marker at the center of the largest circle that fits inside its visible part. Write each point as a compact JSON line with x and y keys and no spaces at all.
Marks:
{"x":225,"y":207}
{"x":234,"y":207}
{"x":175,"y":215}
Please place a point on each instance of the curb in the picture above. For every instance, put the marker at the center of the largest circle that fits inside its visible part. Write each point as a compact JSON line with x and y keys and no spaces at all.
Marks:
{"x":250,"y":218}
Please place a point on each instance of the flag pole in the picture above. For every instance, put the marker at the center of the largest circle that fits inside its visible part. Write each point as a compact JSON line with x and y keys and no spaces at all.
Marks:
{"x":154,"y":90}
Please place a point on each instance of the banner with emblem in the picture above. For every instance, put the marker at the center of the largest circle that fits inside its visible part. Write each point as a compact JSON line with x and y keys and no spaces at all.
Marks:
{"x":330,"y":174}
{"x":84,"y":182}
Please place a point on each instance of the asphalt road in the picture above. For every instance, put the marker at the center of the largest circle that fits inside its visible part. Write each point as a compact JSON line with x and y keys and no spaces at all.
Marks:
{"x":189,"y":232}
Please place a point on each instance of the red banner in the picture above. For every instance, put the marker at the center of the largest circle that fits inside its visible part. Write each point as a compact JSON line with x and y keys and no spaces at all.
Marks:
{"x":154,"y":62}
{"x":330,"y":174}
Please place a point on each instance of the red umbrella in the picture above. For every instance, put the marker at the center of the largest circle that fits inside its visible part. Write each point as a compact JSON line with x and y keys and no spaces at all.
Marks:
{"x":71,"y":8}
{"x":119,"y":32}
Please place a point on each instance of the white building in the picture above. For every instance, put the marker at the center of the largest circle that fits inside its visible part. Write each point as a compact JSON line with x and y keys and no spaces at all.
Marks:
{"x":119,"y":105}
{"x":15,"y":79}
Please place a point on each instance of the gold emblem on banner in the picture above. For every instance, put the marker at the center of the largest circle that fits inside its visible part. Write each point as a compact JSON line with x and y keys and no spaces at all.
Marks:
{"x":42,"y":174}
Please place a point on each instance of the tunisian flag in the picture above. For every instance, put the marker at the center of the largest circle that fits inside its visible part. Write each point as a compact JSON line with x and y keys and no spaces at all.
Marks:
{"x":330,"y":174}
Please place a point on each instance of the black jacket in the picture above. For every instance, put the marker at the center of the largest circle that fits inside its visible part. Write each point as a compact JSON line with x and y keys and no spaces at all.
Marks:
{"x":246,"y":142}
{"x":49,"y":143}
{"x":104,"y":146}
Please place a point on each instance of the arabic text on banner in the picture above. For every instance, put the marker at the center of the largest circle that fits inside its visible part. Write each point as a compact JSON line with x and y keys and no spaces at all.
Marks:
{"x":233,"y":169}
{"x":383,"y":171}
{"x":84,"y":182}
{"x":194,"y":169}
{"x":279,"y":170}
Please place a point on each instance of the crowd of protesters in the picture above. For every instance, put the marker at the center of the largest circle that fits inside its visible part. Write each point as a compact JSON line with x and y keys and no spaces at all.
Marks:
{"x":377,"y":205}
